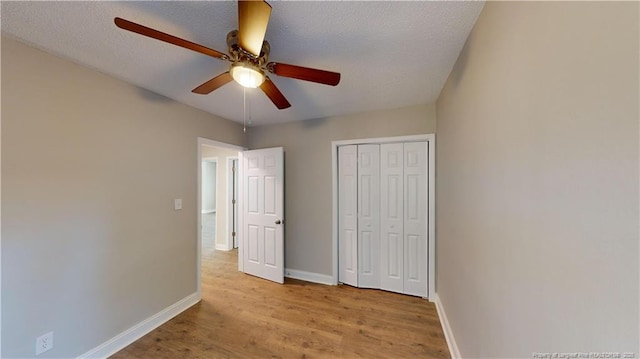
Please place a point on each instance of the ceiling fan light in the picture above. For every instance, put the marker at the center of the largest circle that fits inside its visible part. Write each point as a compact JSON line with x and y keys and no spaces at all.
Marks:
{"x":247,"y":76}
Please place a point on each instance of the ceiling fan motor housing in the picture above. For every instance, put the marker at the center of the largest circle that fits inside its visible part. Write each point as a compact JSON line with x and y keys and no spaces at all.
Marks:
{"x":238,"y":54}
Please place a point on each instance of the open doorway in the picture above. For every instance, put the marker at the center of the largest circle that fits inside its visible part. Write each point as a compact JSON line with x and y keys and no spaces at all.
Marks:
{"x":218,"y":187}
{"x":209,"y":171}
{"x":217,"y":199}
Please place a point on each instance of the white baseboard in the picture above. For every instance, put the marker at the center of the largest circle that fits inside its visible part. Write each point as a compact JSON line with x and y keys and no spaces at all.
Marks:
{"x":308,"y":276}
{"x":222,"y":247}
{"x":139,"y":330}
{"x":207,"y":211}
{"x":448,"y":334}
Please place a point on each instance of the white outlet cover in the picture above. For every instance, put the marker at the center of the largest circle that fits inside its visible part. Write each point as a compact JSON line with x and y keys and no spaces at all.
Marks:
{"x":177,"y":203}
{"x":44,"y":343}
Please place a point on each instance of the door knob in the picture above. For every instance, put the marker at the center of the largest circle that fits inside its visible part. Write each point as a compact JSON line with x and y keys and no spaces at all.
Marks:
{"x":278,"y":222}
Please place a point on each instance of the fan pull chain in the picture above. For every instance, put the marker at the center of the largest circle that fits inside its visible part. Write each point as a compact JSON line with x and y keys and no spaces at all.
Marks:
{"x":249,"y":107}
{"x":244,"y":107}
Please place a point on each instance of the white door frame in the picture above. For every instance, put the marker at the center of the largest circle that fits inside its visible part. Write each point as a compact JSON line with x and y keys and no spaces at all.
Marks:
{"x":206,"y":142}
{"x":431,"y":203}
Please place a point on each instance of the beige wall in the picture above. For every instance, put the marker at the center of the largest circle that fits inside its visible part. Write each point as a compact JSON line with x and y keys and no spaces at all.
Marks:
{"x":537,"y":181}
{"x":222,"y":217}
{"x":91,"y":244}
{"x":308,"y":192}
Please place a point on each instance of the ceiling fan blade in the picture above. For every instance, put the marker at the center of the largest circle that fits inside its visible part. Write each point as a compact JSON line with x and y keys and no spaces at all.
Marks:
{"x":213,"y":84}
{"x":270,"y":89}
{"x":158,"y":35}
{"x":304,"y":73}
{"x":253,"y":18}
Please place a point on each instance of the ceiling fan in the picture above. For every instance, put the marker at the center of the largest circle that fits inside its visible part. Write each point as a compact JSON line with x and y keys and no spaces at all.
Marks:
{"x":248,"y":54}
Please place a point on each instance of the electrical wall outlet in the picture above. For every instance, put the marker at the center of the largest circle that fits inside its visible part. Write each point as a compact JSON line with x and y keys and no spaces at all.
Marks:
{"x":44,"y":343}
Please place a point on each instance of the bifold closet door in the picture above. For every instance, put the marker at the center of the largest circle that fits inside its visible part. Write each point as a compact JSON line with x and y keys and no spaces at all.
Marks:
{"x":368,"y":216}
{"x":392,"y":217}
{"x":403,"y":218}
{"x":415,"y":218}
{"x":348,"y":215}
{"x":382,"y":223}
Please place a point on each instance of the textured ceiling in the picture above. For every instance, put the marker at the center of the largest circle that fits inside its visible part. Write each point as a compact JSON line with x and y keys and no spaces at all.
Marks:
{"x":390,"y":54}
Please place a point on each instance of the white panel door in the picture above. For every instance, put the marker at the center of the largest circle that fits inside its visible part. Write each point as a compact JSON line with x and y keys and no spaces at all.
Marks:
{"x":348,"y":215}
{"x":392,"y":217}
{"x":262,"y":196}
{"x":368,"y":216}
{"x":415,"y":218}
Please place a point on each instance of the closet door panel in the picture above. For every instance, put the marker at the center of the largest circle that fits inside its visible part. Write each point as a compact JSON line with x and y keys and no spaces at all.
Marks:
{"x":415,"y":218}
{"x":392,"y":217}
{"x":368,"y":216}
{"x":348,"y":215}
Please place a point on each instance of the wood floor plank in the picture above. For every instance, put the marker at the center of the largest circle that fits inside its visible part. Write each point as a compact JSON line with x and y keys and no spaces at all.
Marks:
{"x":241,"y":316}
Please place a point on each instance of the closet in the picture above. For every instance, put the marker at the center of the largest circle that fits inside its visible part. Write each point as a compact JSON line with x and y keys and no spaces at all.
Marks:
{"x":382,"y":216}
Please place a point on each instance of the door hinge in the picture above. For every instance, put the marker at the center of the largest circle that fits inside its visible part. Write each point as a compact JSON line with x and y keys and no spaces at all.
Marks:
{"x":233,"y":234}
{"x":233,"y":201}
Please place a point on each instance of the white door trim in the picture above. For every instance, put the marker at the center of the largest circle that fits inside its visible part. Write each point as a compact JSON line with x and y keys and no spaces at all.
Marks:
{"x":431,"y":204}
{"x":207,"y":142}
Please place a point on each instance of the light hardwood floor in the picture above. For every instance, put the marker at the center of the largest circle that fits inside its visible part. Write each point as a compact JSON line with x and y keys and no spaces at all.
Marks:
{"x":241,"y":316}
